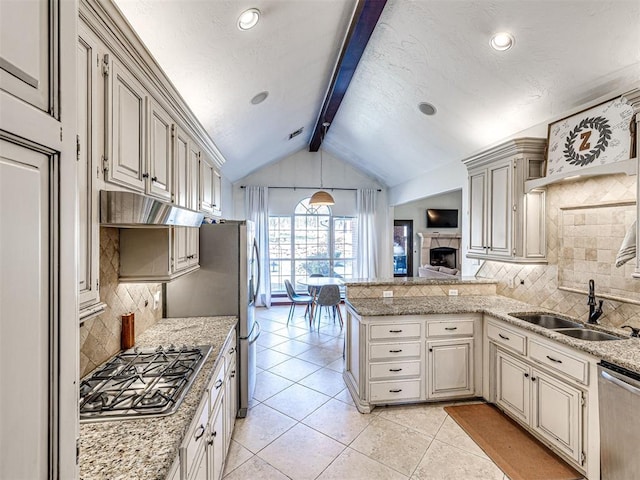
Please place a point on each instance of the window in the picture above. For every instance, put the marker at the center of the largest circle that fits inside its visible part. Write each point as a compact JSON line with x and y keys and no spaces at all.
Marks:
{"x":311,"y":241}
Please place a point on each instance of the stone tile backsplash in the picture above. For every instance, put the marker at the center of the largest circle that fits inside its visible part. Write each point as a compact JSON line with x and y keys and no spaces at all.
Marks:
{"x":586,"y":222}
{"x":100,"y":335}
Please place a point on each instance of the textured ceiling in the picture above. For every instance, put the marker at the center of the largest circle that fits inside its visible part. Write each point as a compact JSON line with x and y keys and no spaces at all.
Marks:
{"x":566,"y":53}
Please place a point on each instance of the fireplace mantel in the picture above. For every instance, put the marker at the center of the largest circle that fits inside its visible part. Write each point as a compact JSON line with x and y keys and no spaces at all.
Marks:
{"x":429,"y":240}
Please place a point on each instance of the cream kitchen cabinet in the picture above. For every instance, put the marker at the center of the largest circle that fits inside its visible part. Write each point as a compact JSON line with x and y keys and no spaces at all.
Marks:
{"x":550,"y":407}
{"x":186,"y":162}
{"x":90,"y":123}
{"x":186,"y":248}
{"x":410,"y":358}
{"x":210,"y":187}
{"x":148,"y":255}
{"x":126,"y":157}
{"x":506,"y":224}
{"x":159,"y":165}
{"x":549,"y":388}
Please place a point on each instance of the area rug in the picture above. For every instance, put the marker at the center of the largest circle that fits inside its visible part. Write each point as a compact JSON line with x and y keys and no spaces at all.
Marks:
{"x":513,"y":449}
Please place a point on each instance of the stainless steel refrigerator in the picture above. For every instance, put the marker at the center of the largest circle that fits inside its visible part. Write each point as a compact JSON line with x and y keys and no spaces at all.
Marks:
{"x":225,"y":284}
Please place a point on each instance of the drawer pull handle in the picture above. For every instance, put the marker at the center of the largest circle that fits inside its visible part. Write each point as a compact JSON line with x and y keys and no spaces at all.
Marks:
{"x":395,"y":351}
{"x":503,"y":337}
{"x":450,"y":328}
{"x":553,"y":359}
{"x":199,"y":433}
{"x":395,"y":331}
{"x":218,"y":384}
{"x":395,"y":369}
{"x":398,"y":390}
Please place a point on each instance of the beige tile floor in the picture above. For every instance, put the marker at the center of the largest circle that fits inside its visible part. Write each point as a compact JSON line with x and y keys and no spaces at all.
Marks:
{"x":302,"y":423}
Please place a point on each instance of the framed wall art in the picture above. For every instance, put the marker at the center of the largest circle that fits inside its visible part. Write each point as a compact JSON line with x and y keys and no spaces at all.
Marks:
{"x":597,"y":136}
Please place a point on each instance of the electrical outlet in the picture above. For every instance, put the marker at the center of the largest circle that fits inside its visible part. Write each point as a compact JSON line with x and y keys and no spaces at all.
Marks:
{"x":156,"y":300}
{"x":387,"y":293}
{"x":510,"y":282}
{"x":453,"y":292}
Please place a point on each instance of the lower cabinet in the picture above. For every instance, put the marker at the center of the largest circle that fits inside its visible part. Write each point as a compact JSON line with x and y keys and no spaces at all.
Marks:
{"x":410,"y":358}
{"x":203,"y":451}
{"x":550,"y":407}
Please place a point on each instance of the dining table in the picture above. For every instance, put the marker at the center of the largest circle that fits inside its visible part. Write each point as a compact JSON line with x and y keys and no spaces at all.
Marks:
{"x":316,"y":283}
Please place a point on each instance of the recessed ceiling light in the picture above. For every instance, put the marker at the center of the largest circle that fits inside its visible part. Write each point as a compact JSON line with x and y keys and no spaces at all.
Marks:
{"x":248,"y":19}
{"x":260,"y":97}
{"x":427,"y":108}
{"x":502,"y":41}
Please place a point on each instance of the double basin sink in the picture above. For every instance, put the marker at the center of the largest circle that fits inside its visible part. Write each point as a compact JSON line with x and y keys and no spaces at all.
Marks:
{"x":565,"y":327}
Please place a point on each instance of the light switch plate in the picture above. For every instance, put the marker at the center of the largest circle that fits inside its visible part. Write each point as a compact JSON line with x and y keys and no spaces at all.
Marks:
{"x":453,"y":292}
{"x":387,"y":293}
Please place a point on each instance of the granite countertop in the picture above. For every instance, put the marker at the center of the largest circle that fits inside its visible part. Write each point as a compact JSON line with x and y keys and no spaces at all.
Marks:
{"x":373,"y":282}
{"x":144,"y":449}
{"x":624,"y":352}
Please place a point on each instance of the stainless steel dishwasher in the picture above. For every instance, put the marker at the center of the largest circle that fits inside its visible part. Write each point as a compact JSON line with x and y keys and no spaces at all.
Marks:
{"x":619,"y":396}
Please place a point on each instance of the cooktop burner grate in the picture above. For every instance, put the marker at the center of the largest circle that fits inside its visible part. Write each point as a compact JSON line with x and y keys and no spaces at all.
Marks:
{"x":139,"y":383}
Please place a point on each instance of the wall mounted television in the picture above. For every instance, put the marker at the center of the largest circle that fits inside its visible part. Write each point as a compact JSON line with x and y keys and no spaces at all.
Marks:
{"x":442,"y":218}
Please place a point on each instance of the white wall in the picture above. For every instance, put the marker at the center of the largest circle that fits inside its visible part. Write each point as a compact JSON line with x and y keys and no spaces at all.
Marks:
{"x":416,"y":211}
{"x":302,"y":169}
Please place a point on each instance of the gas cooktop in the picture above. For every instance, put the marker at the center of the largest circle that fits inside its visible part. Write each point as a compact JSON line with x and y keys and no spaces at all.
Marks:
{"x":140,"y":383}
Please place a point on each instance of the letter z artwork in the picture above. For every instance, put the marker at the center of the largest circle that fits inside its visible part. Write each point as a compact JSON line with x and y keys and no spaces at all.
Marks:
{"x":596,"y":136}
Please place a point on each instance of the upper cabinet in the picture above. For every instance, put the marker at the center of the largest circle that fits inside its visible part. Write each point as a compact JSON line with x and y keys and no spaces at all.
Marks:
{"x":210,"y":186}
{"x":28,"y":52}
{"x":158,"y":174}
{"x":126,"y":126}
{"x":505,"y":223}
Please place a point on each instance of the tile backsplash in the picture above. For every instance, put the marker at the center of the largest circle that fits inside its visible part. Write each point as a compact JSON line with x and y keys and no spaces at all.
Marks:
{"x":580,"y":248}
{"x":100,"y":335}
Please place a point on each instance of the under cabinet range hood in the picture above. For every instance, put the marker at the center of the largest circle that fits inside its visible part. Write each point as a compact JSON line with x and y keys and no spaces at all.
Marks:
{"x":133,"y":210}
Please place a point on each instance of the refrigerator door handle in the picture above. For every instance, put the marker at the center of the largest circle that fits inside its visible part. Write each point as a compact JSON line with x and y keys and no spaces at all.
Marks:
{"x":250,"y":334}
{"x":257,"y":259}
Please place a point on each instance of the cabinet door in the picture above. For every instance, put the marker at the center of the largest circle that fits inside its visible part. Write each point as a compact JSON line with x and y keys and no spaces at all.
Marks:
{"x":217,"y":440}
{"x":207,"y":180}
{"x":126,"y":128}
{"x":201,"y":465}
{"x":87,"y":192}
{"x":27,"y":51}
{"x":557,"y":413}
{"x":450,"y":368}
{"x":193,"y":246}
{"x":477,"y":212}
{"x":217,"y":193}
{"x":231,"y":394}
{"x":500,"y":209}
{"x":160,"y":155}
{"x":181,"y":168}
{"x":194,"y":177}
{"x":180,"y":248}
{"x":513,"y":385}
{"x":27,"y":318}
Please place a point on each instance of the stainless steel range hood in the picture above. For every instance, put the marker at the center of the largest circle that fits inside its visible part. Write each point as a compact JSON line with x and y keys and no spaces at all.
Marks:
{"x":132,"y":210}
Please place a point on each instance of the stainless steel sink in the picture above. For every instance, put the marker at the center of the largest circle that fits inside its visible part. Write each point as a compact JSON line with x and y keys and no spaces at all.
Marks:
{"x":586,"y":334}
{"x":547,"y":321}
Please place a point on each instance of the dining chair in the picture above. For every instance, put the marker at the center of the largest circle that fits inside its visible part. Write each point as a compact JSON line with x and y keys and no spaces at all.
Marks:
{"x":296,"y":299}
{"x":313,"y":290}
{"x":329,"y":296}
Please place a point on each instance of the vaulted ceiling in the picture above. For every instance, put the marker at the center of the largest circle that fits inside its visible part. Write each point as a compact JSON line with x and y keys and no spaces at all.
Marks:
{"x":566,"y":53}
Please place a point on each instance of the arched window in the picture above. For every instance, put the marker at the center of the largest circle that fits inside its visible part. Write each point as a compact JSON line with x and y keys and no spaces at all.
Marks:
{"x":311,"y":241}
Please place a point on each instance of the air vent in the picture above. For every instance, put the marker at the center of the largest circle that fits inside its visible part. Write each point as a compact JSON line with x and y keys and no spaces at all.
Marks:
{"x":296,"y":133}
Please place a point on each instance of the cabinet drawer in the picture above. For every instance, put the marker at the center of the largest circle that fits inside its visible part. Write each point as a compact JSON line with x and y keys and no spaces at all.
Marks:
{"x":195,"y":438}
{"x":216,"y":386}
{"x":382,"y":351}
{"x":380,"y":371}
{"x":390,"y":331}
{"x":507,"y":338}
{"x":395,"y":391}
{"x":450,"y":328}
{"x":559,"y":360}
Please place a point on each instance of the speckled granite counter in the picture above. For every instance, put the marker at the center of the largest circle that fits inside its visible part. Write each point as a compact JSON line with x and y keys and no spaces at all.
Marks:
{"x":145,"y":448}
{"x":380,"y":282}
{"x":624,"y":352}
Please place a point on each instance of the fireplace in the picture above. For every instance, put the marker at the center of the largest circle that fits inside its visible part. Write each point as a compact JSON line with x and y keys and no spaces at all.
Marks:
{"x":443,"y":257}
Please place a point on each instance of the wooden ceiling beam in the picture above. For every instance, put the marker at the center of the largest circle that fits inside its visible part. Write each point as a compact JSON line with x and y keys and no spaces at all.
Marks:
{"x":364,"y":22}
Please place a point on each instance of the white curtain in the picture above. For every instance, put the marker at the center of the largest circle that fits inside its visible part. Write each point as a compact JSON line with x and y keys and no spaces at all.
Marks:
{"x":257,"y":206}
{"x":367,"y":255}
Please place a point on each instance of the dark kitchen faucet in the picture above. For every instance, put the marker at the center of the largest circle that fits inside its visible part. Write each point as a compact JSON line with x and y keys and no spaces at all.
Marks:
{"x":594,"y":313}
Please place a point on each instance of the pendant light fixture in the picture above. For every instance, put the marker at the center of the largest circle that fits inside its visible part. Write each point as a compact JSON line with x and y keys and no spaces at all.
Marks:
{"x":321,"y":197}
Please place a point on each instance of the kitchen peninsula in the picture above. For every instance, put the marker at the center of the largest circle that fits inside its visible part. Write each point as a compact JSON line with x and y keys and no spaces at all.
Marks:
{"x":435,"y":340}
{"x":147,"y":448}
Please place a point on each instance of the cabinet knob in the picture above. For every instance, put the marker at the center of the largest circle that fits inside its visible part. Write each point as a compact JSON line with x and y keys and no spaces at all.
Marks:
{"x":145,"y":175}
{"x":154,"y":179}
{"x":526,"y":375}
{"x":533,"y":379}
